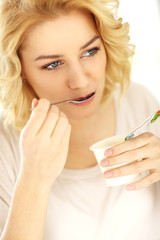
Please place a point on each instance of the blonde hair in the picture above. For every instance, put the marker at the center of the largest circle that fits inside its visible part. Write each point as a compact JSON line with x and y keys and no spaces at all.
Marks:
{"x":16,"y":18}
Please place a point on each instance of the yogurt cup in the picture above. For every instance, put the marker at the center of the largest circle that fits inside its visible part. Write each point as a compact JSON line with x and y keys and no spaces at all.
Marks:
{"x":99,"y":149}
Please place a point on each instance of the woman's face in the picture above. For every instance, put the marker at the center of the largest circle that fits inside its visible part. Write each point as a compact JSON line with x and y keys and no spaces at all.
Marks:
{"x":65,"y":59}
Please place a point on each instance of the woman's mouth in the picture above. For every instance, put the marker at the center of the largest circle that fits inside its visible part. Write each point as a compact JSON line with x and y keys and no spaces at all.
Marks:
{"x":84,"y":100}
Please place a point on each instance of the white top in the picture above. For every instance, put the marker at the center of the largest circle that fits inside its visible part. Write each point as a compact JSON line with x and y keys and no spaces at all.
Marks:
{"x":81,"y":206}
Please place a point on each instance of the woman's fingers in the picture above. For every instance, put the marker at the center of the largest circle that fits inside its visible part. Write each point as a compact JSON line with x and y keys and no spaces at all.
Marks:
{"x":37,"y":117}
{"x":127,"y":157}
{"x":44,"y":141}
{"x":137,"y":155}
{"x":50,"y":122}
{"x":142,"y":147}
{"x":129,"y":145}
{"x":59,"y":130}
{"x":34,"y":103}
{"x":133,"y":168}
{"x":145,"y":182}
{"x":60,"y":153}
{"x":65,"y":141}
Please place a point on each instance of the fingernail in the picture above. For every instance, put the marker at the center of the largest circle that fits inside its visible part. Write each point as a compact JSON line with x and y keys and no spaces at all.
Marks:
{"x":104,"y":163}
{"x":108,"y":174}
{"x":34,"y":102}
{"x":108,"y":152}
{"x":131,"y":187}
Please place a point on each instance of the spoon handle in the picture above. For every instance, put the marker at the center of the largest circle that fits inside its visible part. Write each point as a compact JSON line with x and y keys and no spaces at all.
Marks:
{"x":73,"y":101}
{"x":60,"y":102}
{"x":150,"y":119}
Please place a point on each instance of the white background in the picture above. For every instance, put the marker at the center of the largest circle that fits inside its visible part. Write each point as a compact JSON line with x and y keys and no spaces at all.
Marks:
{"x":144,"y":19}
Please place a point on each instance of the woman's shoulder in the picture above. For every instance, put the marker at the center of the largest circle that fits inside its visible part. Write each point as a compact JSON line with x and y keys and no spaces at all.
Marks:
{"x":7,"y":132}
{"x":9,"y":148}
{"x":138,"y":97}
{"x":138,"y":90}
{"x":137,"y":104}
{"x":9,"y":168}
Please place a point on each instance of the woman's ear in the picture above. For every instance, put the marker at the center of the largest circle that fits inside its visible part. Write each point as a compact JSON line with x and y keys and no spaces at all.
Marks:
{"x":24,"y":79}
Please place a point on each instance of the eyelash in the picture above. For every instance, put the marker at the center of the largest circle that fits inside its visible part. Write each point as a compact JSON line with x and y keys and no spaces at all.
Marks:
{"x":46,"y":67}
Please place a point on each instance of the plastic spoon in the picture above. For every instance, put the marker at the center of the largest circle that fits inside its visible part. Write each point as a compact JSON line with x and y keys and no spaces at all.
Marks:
{"x":152,"y":118}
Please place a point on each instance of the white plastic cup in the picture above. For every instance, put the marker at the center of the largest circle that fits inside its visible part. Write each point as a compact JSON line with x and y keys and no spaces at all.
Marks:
{"x":99,"y":149}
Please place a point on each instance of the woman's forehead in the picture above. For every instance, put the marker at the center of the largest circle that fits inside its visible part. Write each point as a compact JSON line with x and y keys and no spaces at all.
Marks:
{"x":75,"y":27}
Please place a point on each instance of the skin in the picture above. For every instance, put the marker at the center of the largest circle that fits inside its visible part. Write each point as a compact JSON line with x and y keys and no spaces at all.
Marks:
{"x":146,"y":147}
{"x":77,"y":74}
{"x":80,"y":71}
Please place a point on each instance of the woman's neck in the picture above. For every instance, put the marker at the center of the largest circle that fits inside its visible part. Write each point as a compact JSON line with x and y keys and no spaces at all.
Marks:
{"x":85,"y":133}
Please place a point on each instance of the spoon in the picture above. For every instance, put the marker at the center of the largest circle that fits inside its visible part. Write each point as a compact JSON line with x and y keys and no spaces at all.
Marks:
{"x":152,"y":118}
{"x":72,"y":101}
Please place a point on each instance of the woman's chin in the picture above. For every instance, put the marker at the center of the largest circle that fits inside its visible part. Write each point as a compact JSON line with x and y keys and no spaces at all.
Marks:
{"x":81,"y":115}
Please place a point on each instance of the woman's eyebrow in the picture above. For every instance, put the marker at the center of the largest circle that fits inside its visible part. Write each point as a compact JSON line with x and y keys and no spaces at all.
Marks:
{"x":90,"y":42}
{"x":59,"y":56}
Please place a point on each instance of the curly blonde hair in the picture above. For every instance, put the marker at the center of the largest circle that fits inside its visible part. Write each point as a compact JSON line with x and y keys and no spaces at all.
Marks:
{"x":16,"y":18}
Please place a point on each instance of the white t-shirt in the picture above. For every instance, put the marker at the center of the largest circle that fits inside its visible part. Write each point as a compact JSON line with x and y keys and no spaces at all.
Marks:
{"x":81,"y":206}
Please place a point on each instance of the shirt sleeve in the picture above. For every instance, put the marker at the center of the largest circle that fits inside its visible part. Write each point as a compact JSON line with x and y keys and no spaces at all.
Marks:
{"x":151,"y":106}
{"x":9,"y":168}
{"x":141,"y":103}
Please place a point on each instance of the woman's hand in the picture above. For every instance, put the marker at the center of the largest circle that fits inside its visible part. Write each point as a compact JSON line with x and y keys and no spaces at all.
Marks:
{"x":145,"y":147}
{"x":44,"y":142}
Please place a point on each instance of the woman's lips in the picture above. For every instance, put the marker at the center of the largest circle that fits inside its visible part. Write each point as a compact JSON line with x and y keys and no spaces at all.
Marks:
{"x":86,"y":101}
{"x":83,"y":98}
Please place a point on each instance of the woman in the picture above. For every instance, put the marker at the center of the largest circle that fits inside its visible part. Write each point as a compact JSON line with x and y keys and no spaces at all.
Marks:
{"x":50,"y":185}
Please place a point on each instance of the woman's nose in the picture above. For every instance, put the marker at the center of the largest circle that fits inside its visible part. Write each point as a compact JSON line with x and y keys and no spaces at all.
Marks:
{"x":77,"y":77}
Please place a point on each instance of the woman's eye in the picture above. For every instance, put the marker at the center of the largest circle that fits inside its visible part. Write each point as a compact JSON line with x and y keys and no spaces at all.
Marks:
{"x":91,"y":52}
{"x":52,"y":66}
{"x":55,"y":65}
